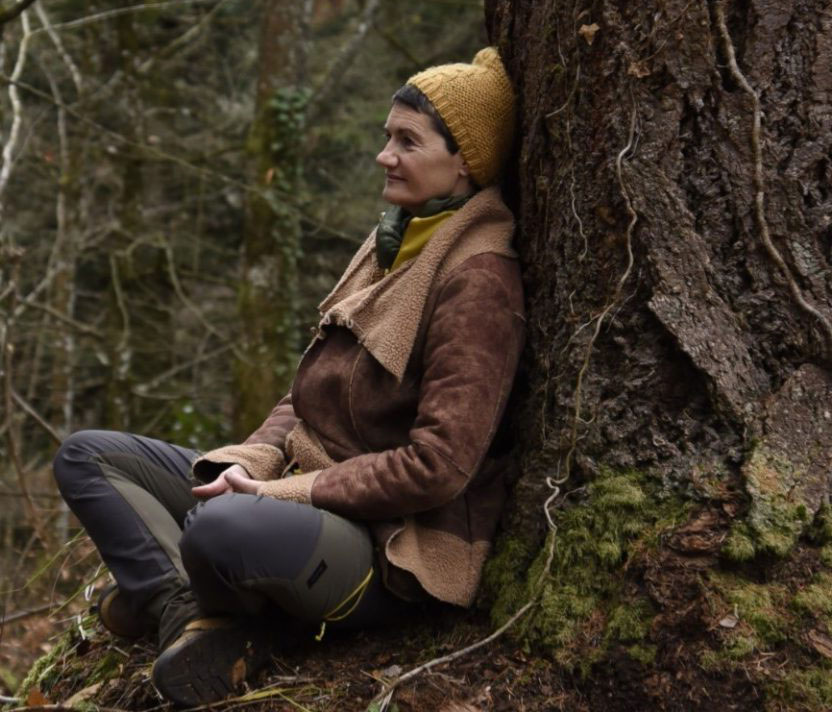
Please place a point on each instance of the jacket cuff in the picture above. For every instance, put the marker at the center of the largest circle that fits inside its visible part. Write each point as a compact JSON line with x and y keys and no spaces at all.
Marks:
{"x":261,"y":461}
{"x":295,"y":488}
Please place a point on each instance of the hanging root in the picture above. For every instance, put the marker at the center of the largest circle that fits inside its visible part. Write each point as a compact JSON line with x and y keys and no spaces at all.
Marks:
{"x":759,"y":185}
{"x":563,"y":475}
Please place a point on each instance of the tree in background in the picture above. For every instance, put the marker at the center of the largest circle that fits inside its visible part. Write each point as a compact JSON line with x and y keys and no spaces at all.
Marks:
{"x":140,"y":201}
{"x":673,"y":193}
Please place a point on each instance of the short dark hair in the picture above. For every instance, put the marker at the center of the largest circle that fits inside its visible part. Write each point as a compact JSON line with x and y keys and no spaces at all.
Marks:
{"x":416,"y":100}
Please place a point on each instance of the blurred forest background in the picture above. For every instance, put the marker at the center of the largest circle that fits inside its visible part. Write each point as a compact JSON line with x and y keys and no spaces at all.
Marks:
{"x":180,"y":184}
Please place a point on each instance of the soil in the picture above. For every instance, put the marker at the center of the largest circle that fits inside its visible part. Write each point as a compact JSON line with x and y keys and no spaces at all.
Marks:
{"x":345,"y":671}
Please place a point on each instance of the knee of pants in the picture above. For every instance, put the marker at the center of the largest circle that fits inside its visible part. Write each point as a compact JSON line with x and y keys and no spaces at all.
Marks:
{"x":245,"y":536}
{"x":213,"y":536}
{"x":72,"y":456}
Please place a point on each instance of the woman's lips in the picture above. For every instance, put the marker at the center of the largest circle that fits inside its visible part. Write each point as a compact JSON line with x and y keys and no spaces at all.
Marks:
{"x":393,"y":178}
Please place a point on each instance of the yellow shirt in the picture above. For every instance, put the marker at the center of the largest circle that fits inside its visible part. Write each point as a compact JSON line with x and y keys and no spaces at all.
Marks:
{"x":416,"y":236}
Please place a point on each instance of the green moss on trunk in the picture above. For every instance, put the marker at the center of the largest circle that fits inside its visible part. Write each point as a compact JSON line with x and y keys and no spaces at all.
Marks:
{"x":587,"y":605}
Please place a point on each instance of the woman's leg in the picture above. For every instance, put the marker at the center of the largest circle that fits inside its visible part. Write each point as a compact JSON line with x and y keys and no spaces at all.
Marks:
{"x":244,"y":553}
{"x":131,"y":494}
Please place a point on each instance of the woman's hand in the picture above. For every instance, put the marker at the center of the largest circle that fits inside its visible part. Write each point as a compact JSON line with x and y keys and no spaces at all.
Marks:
{"x":240,"y":481}
{"x":232,"y":479}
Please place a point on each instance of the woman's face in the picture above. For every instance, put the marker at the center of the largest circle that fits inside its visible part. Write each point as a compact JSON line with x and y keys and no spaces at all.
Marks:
{"x":416,"y":161}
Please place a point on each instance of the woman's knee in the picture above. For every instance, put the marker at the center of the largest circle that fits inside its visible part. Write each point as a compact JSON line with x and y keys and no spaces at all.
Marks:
{"x":212,"y":533}
{"x":74,"y":453}
{"x":249,"y":533}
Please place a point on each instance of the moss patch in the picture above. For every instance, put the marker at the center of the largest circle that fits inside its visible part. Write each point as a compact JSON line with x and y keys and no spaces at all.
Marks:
{"x":587,"y":604}
{"x":807,"y":689}
{"x":776,"y":519}
{"x":815,"y":600}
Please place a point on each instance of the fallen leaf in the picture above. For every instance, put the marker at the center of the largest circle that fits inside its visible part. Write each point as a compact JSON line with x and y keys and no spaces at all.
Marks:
{"x":454,"y":706}
{"x":35,"y":698}
{"x":82,"y":695}
{"x":638,"y":70}
{"x":588,"y":32}
{"x":821,"y":642}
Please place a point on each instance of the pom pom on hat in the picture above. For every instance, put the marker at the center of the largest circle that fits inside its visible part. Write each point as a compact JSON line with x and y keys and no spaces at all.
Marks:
{"x":476,"y":102}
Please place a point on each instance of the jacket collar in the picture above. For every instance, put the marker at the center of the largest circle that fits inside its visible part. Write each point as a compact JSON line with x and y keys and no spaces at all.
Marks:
{"x":385,"y":314}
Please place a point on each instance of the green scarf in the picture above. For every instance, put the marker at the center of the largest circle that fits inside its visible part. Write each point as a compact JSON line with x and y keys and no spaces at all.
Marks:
{"x":394,"y":222}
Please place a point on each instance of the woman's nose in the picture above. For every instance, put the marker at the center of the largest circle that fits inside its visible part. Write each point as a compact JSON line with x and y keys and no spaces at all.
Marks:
{"x":387,"y":157}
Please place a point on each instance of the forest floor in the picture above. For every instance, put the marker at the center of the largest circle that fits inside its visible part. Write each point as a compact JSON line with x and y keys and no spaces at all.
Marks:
{"x":745,"y":638}
{"x":343,"y":672}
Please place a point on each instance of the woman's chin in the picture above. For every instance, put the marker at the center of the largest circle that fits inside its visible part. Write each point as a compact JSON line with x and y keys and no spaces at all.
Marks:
{"x":394,"y":197}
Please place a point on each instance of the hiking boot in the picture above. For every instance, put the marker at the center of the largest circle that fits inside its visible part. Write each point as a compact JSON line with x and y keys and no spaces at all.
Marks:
{"x":116,"y":615}
{"x":210,"y":659}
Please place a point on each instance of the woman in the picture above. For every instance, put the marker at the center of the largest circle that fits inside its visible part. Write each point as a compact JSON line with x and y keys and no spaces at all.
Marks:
{"x":374,"y":483}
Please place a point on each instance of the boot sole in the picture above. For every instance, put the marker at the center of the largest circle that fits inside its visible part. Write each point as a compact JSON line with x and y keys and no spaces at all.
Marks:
{"x":211,"y":665}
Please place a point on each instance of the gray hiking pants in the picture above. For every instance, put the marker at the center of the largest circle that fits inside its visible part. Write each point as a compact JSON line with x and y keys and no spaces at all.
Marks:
{"x":240,"y":554}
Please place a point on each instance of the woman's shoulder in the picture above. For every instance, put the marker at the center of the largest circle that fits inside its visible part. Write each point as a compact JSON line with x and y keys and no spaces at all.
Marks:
{"x":496,"y":272}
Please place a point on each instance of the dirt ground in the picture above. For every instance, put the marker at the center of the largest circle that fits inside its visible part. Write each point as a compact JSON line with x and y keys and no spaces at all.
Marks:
{"x":722,"y":639}
{"x":342,"y":672}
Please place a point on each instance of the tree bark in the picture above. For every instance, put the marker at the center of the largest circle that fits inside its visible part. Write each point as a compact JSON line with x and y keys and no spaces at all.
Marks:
{"x":673,"y":198}
{"x":268,"y":291}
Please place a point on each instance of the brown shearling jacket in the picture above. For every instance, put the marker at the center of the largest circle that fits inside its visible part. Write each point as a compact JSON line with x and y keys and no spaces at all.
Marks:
{"x":397,"y":401}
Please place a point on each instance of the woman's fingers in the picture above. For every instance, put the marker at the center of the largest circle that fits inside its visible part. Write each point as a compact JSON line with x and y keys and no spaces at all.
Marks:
{"x":241,"y":483}
{"x":212,"y":489}
{"x":232,"y":479}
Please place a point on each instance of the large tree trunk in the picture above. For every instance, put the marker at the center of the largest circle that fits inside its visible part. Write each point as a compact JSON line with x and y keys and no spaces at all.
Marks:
{"x":268,"y":290}
{"x":673,"y":196}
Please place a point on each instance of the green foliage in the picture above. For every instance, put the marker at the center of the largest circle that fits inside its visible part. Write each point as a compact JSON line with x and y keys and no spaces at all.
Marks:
{"x":587,"y":603}
{"x":42,"y":674}
{"x":193,"y":427}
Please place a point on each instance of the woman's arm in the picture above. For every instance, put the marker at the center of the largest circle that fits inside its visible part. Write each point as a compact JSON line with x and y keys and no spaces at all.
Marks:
{"x":277,"y":425}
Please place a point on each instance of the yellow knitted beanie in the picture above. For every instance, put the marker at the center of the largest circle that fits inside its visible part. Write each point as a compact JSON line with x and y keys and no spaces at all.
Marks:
{"x":476,"y":102}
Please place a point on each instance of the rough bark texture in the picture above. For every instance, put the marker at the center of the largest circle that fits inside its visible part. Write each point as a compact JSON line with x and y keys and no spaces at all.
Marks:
{"x":665,"y":340}
{"x":267,"y":290}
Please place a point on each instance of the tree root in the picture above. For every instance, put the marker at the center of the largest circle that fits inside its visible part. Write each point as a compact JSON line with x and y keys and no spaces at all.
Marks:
{"x":759,"y":184}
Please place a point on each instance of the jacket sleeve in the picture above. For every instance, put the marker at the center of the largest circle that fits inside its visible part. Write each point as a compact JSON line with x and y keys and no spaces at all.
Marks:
{"x":276,"y":427}
{"x":262,"y":453}
{"x":471,"y":351}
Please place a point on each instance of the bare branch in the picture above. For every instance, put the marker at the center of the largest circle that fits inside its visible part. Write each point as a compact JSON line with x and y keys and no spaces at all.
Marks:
{"x":62,"y":53}
{"x":346,"y":56}
{"x":107,"y":14}
{"x":17,"y":112}
{"x":14,"y":11}
{"x":68,"y":320}
{"x":39,"y":419}
{"x":12,"y":445}
{"x":142,"y":389}
{"x":177,"y":286}
{"x":182,"y":40}
{"x":386,"y":695}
